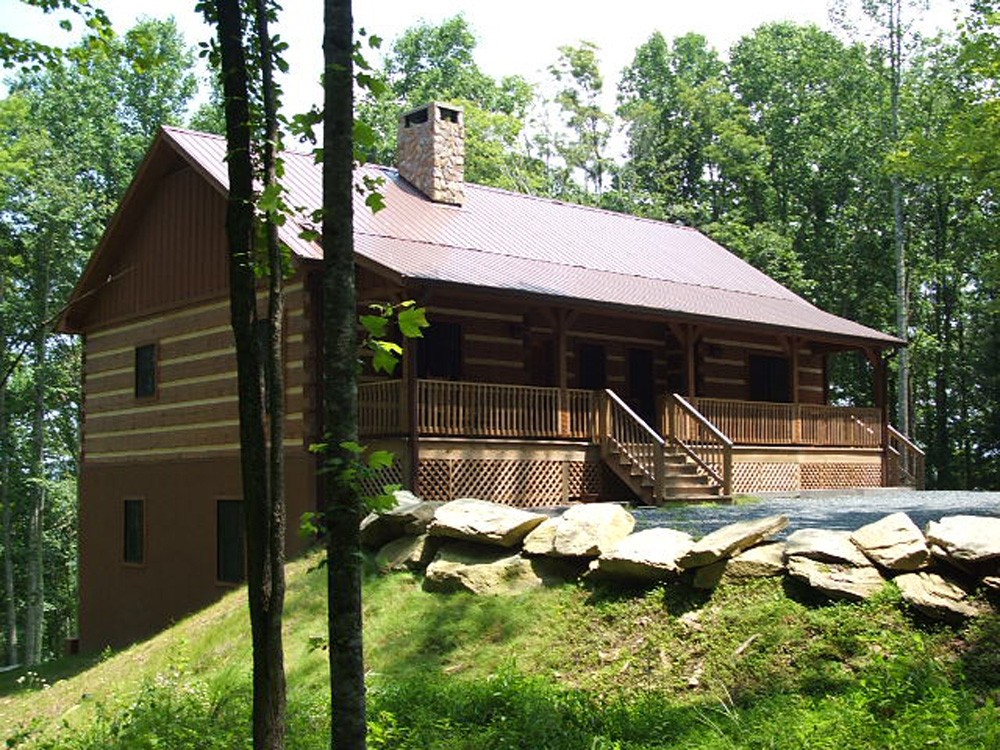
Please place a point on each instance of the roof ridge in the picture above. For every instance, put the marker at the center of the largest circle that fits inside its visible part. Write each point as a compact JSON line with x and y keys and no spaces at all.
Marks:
{"x":585,"y":268}
{"x":567,"y":204}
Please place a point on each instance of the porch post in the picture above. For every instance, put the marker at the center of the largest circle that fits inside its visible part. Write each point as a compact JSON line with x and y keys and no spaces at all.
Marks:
{"x":561,"y":318}
{"x":881,"y":386}
{"x":794,"y":344}
{"x":408,"y":414}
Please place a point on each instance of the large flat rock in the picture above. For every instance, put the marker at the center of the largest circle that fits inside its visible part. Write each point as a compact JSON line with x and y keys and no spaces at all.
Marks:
{"x":826,"y":546}
{"x":894,"y":543}
{"x":937,"y":597}
{"x":732,"y":539}
{"x":487,"y":571}
{"x":483,"y":522}
{"x":758,"y":562}
{"x":582,"y":531}
{"x":407,"y":553}
{"x":410,"y":516}
{"x":647,"y":555}
{"x":966,"y":539}
{"x":836,"y":580}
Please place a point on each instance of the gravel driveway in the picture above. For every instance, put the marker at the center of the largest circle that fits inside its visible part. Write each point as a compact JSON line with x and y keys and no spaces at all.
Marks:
{"x":826,"y":509}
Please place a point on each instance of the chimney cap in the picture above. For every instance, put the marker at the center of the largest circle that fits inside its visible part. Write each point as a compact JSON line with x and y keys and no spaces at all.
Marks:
{"x":446,"y":111}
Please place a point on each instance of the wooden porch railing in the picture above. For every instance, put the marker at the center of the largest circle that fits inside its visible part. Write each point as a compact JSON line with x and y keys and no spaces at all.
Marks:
{"x":693,"y":434}
{"x":906,"y":460}
{"x":761,"y":423}
{"x":380,"y":408}
{"x":478,"y":410}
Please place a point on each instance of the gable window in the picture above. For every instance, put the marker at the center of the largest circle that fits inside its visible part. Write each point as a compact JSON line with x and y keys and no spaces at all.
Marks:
{"x":230,"y":540}
{"x":145,"y":371}
{"x":135,"y":532}
{"x":769,"y":379}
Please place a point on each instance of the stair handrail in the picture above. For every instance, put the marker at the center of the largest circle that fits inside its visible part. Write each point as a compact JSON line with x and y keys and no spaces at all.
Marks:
{"x":608,"y":433}
{"x":725,"y":478}
{"x":911,"y":457}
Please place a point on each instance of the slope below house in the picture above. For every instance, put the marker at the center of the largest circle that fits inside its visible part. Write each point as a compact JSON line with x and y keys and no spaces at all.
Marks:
{"x":573,"y":353}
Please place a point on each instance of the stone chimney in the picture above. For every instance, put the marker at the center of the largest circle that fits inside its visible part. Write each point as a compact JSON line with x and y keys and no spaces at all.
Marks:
{"x":430,"y":151}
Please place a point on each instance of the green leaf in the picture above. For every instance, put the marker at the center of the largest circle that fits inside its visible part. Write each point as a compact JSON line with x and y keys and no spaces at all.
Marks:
{"x":353,"y":447}
{"x":412,"y":321}
{"x":270,"y":198}
{"x":386,"y":356}
{"x":378,"y":460}
{"x":375,"y":201}
{"x":375,"y":325}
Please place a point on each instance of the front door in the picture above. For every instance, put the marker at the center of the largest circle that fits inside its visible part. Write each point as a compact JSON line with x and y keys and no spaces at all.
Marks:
{"x":641,"y":384}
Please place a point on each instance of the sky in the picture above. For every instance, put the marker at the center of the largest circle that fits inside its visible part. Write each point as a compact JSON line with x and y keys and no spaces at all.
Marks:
{"x":515,"y":36}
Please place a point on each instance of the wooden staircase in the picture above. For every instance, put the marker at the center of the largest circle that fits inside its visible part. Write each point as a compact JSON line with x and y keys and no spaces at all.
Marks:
{"x":655,"y":470}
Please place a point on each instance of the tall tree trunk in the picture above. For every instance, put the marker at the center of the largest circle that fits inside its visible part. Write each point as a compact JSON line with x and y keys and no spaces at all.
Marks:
{"x":273,"y":586}
{"x":35,"y":610}
{"x":340,"y":394}
{"x":899,"y":239}
{"x":265,"y":608}
{"x":6,"y":499}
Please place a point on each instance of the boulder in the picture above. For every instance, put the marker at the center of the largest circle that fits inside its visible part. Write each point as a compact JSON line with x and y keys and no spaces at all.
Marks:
{"x":582,"y":531}
{"x":936,"y":597}
{"x":894,"y":543}
{"x":540,"y":539}
{"x":992,"y":582}
{"x":648,"y":555}
{"x":487,"y":571}
{"x":407,"y":553}
{"x":709,"y":576}
{"x":410,"y":516}
{"x":836,"y":580}
{"x":483,"y":522}
{"x":966,"y":539}
{"x":826,"y":546}
{"x":731,"y":540}
{"x":758,"y":562}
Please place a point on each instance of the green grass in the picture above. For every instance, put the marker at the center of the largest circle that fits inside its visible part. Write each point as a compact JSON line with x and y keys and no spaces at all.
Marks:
{"x":761,"y":665}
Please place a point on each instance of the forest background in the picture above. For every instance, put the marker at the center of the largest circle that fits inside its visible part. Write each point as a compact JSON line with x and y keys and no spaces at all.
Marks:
{"x":788,"y":149}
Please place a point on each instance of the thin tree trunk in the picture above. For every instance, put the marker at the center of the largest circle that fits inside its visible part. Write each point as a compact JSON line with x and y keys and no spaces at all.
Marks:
{"x":273,"y":587}
{"x":899,"y":239}
{"x":268,"y":671}
{"x":340,"y":402}
{"x":6,"y":499}
{"x":35,"y":610}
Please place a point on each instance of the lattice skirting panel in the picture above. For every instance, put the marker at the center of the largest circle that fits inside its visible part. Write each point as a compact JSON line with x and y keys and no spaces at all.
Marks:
{"x":840,"y":476}
{"x":765,"y":477}
{"x":523,"y":483}
{"x":374,"y":485}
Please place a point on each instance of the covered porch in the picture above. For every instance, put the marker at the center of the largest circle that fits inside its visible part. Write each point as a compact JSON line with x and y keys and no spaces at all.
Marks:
{"x":695,"y":448}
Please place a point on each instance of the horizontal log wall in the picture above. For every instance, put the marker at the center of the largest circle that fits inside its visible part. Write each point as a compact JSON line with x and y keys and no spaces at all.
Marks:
{"x":194,"y":410}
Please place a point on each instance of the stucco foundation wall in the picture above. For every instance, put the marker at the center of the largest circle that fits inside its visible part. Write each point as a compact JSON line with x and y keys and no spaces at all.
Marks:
{"x":122,"y":602}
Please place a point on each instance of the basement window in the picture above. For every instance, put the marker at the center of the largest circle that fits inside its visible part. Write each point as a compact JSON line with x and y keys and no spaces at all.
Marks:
{"x":135,"y":532}
{"x":230,"y":538}
{"x":145,"y":371}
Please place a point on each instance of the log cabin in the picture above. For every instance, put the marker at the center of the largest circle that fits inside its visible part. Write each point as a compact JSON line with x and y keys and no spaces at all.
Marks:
{"x":573,"y":354}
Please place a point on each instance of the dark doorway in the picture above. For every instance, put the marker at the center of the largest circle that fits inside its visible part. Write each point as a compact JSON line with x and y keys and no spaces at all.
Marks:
{"x":542,"y":364}
{"x":439,"y":352}
{"x":769,"y":379}
{"x":642,"y":384}
{"x":591,"y":371}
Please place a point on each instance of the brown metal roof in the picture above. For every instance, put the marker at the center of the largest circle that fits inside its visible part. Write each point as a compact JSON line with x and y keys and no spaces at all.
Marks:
{"x":509,"y":241}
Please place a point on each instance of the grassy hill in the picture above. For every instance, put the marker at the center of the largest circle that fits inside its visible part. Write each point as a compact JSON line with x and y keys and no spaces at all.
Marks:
{"x":762,"y":665}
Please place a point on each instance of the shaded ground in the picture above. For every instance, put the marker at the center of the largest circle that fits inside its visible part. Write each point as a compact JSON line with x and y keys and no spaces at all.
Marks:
{"x":823,"y":509}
